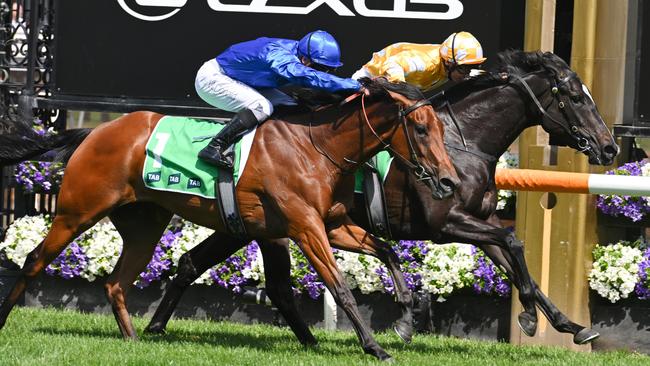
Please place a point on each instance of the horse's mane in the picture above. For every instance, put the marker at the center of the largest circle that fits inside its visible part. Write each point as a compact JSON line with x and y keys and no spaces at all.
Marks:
{"x":309,"y":98}
{"x":381,"y":87}
{"x":510,"y":62}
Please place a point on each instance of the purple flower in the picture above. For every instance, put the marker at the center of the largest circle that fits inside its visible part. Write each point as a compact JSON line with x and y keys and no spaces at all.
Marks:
{"x":642,"y":288}
{"x":634,"y":208}
{"x":487,"y":278}
{"x":230,"y":274}
{"x":161,"y":263}
{"x":70,"y":263}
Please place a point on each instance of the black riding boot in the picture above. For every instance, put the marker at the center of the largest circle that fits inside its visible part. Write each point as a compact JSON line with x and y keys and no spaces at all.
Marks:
{"x":241,"y":123}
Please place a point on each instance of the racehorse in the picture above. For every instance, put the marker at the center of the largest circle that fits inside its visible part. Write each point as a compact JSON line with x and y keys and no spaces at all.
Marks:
{"x":482,"y":118}
{"x":297,"y":184}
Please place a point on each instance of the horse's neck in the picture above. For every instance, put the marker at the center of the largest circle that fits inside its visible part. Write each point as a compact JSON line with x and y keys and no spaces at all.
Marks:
{"x":489,"y":124}
{"x":350,"y":141}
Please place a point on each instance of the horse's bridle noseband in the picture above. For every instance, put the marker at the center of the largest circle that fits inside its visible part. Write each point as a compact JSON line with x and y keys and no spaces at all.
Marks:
{"x":573,"y":128}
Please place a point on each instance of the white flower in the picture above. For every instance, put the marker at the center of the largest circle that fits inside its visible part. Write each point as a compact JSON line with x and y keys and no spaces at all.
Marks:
{"x":447,"y":267}
{"x":23,"y":236}
{"x":506,"y":161}
{"x":615,"y":271}
{"x":360,"y":271}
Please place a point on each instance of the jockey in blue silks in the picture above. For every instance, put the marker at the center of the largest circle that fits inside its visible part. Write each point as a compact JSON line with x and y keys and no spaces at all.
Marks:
{"x":243,"y":78}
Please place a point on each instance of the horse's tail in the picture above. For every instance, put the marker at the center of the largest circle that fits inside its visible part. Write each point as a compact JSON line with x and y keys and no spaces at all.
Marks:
{"x":25,"y":144}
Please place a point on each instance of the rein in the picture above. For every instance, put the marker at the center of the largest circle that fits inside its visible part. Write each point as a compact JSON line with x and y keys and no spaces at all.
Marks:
{"x":479,"y":154}
{"x":414,"y":163}
{"x":573,"y":130}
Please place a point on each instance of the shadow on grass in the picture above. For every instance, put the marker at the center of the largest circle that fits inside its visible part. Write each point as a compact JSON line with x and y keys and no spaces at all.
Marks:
{"x":207,"y":338}
{"x":265,"y":342}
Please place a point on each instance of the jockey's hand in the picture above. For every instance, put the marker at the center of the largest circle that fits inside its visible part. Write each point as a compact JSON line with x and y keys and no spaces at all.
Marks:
{"x":364,"y":91}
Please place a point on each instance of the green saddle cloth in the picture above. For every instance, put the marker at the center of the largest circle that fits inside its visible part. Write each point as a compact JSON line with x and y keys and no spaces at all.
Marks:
{"x":171,"y":162}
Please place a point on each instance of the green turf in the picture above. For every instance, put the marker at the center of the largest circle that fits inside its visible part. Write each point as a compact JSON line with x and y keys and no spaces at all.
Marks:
{"x":53,"y":337}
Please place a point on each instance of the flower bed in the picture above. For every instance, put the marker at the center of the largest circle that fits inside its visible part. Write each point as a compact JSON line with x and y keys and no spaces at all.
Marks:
{"x":633,"y":208}
{"x":621,"y":269}
{"x":436,"y":269}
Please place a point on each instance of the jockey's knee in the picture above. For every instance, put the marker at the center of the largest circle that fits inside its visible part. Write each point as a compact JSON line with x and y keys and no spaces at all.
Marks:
{"x":262,"y":109}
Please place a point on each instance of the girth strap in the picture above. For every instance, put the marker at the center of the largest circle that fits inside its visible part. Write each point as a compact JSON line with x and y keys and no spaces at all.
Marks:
{"x":375,"y":202}
{"x":227,"y":201}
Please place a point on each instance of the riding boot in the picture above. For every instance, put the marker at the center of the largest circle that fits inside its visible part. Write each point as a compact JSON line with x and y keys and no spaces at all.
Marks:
{"x":241,"y":123}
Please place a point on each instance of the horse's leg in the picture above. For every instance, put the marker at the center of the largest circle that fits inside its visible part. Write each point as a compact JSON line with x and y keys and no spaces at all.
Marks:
{"x":353,"y":238}
{"x":277,"y":269}
{"x":140,"y":225}
{"x":313,"y":242}
{"x":558,"y":320}
{"x":213,"y":250}
{"x":469,"y":229}
{"x":65,"y":228}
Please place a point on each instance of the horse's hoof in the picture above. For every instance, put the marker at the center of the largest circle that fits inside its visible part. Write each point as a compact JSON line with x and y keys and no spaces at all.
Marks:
{"x":585,"y":336}
{"x":155,"y":329}
{"x":385,"y":357}
{"x":309,"y":343}
{"x":527,"y":323}
{"x":404,"y":331}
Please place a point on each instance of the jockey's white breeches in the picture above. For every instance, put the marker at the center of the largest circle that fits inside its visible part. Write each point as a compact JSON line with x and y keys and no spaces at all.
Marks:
{"x":223,"y":92}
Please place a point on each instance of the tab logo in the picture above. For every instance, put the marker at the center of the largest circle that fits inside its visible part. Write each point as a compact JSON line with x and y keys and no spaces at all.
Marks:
{"x":194,"y":183}
{"x":454,"y":8}
{"x":153,"y":177}
{"x":174,"y":179}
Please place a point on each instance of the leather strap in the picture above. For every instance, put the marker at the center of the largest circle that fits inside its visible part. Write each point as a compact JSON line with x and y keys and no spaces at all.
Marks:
{"x":373,"y":194}
{"x":227,"y":202}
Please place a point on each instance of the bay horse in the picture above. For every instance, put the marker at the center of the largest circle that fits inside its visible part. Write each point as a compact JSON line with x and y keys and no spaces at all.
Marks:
{"x":482,"y":117}
{"x":297,"y":184}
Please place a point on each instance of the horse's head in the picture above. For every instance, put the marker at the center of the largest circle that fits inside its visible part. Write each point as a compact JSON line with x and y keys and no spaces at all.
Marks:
{"x":565,"y":106}
{"x":420,"y":143}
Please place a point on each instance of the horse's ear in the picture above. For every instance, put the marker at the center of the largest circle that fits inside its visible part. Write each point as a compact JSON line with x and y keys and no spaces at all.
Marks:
{"x":399,"y":98}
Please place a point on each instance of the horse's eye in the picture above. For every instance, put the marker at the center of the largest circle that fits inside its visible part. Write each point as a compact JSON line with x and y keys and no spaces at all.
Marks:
{"x":420,"y":129}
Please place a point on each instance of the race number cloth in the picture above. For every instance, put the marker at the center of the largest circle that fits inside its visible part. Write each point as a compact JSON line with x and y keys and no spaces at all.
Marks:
{"x":171,"y":162}
{"x":384,"y":161}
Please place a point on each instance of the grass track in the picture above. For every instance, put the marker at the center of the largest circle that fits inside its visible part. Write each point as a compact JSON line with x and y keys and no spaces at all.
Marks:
{"x":54,"y":337}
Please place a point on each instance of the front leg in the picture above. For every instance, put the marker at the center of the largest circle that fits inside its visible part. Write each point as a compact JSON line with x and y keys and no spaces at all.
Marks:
{"x":308,"y":232}
{"x":559,"y":321}
{"x":352,"y":238}
{"x":473,"y":230}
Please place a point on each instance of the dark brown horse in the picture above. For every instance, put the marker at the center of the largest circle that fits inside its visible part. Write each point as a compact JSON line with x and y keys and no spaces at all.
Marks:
{"x":482,"y":118}
{"x":296,"y":184}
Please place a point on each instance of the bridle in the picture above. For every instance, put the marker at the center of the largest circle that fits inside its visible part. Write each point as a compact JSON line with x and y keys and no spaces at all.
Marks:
{"x":571,"y":127}
{"x":421,"y":173}
{"x":413,"y":163}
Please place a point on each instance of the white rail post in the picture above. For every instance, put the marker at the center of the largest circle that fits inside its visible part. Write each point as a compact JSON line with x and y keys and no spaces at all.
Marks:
{"x":329,"y":310}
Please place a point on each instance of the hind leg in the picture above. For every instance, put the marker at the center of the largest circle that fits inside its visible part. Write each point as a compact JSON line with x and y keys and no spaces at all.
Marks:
{"x":277,"y":270}
{"x":141,"y":226}
{"x":213,"y":250}
{"x":65,"y":228}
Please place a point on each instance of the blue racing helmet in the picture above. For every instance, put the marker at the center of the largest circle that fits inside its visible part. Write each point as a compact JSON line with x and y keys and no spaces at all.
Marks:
{"x":320,"y":47}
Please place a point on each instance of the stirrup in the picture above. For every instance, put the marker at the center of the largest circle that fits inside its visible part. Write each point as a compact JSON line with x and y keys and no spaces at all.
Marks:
{"x":216,"y":157}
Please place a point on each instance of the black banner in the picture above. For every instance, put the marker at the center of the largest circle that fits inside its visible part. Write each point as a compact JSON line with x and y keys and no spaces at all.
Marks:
{"x":123,"y":48}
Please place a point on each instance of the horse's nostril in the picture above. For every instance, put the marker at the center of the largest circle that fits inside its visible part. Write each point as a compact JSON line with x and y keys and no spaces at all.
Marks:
{"x":610,"y":150}
{"x":447,"y":184}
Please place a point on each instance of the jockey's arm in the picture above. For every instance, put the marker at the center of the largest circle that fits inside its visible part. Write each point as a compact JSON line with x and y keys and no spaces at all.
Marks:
{"x":394,"y":69}
{"x":289,"y":67}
